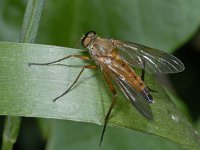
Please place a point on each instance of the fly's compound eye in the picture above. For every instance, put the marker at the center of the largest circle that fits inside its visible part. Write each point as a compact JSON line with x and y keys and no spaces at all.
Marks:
{"x":86,"y":40}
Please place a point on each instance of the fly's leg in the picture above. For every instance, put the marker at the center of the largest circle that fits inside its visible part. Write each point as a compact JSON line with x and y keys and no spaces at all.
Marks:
{"x":142,"y":77}
{"x":114,"y":97}
{"x":143,"y":71}
{"x":83,"y":68}
{"x":66,"y":57}
{"x":59,"y":60}
{"x":151,"y":90}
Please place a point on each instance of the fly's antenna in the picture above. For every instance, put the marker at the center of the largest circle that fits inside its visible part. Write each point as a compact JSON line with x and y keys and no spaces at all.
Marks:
{"x":78,"y":43}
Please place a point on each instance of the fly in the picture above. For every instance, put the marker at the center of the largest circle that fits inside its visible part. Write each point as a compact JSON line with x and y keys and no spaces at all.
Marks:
{"x":116,"y":58}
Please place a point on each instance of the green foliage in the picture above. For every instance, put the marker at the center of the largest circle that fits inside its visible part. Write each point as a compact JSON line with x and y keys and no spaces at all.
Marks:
{"x":29,"y":91}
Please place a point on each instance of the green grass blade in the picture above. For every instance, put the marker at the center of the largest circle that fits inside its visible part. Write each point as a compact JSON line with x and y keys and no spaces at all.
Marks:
{"x":29,"y":91}
{"x":31,"y":21}
{"x":10,"y":133}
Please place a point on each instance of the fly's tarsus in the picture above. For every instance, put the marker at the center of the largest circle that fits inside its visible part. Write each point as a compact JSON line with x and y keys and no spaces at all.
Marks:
{"x":151,"y":90}
{"x":107,"y":118}
{"x":59,"y":60}
{"x":70,"y":87}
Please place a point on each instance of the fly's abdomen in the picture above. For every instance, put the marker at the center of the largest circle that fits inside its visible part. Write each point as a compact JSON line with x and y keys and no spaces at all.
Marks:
{"x":127,"y":73}
{"x":141,"y":88}
{"x":121,"y":69}
{"x":146,"y":93}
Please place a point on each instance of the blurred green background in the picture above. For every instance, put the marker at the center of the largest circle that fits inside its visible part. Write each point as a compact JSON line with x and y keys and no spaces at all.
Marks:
{"x":170,"y":25}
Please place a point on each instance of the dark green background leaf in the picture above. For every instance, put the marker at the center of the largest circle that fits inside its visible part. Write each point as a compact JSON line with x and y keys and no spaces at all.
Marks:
{"x":116,"y":138}
{"x":160,"y":24}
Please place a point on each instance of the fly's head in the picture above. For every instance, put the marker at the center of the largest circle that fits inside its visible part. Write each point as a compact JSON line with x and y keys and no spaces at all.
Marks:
{"x":97,"y":46}
{"x":88,"y":38}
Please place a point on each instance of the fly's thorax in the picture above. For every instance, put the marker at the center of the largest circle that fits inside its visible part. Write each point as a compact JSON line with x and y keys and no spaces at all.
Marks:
{"x":103,"y":46}
{"x":100,"y":47}
{"x":94,"y":56}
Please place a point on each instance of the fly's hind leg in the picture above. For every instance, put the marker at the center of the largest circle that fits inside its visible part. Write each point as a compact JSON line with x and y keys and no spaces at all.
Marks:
{"x":114,"y":97}
{"x":59,"y":60}
{"x":142,"y":77}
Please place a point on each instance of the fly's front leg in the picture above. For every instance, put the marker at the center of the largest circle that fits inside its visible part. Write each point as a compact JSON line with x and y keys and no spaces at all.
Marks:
{"x":59,"y":60}
{"x":114,"y":97}
{"x":83,"y":68}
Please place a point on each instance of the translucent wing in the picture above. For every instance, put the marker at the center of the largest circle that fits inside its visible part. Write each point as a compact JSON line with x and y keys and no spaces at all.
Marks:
{"x":152,"y":60}
{"x":137,"y":99}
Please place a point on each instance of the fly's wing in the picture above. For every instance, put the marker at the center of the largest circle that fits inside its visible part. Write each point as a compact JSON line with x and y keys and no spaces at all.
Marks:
{"x":152,"y":60}
{"x":136,"y":98}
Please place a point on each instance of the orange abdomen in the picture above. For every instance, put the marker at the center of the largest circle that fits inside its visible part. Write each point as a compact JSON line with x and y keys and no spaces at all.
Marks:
{"x":122,"y":69}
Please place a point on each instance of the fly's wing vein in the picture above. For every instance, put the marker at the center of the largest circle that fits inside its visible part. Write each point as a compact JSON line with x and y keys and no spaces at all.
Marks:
{"x":152,"y":60}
